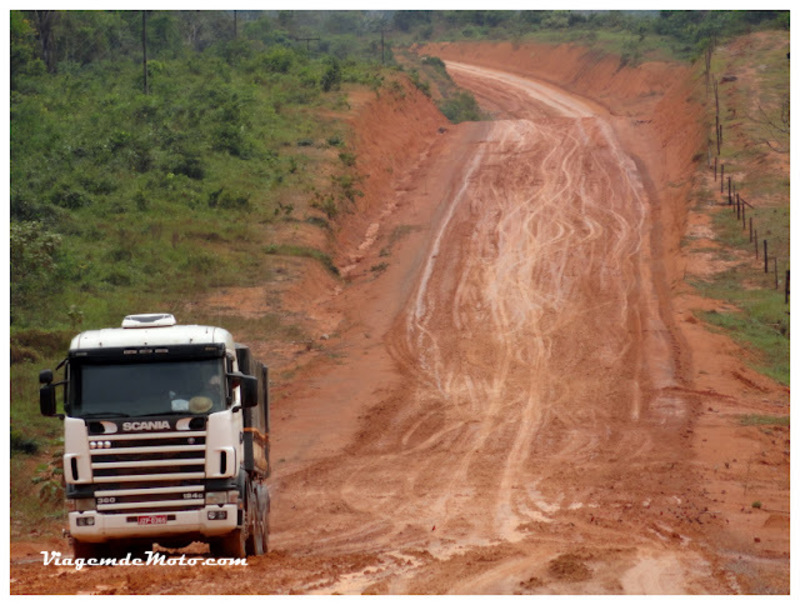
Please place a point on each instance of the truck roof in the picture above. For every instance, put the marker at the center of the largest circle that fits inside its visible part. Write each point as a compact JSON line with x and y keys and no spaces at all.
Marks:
{"x":151,"y":330}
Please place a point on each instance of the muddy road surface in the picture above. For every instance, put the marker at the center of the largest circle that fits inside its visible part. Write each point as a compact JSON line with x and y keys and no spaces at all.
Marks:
{"x":502,"y":410}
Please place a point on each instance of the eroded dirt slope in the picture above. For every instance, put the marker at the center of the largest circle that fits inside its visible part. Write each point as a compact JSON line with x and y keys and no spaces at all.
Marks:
{"x":509,"y":405}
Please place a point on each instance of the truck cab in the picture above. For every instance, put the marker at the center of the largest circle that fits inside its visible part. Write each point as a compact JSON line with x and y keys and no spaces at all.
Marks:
{"x":166,"y":439}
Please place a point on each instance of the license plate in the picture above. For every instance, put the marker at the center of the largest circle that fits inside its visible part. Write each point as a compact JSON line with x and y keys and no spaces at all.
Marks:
{"x":153,"y":520}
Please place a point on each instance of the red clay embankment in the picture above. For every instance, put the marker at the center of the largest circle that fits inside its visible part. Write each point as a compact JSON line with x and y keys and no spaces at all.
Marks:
{"x":393,"y":131}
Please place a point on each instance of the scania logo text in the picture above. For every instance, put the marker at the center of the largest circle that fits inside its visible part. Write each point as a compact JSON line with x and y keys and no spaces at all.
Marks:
{"x":148,"y":425}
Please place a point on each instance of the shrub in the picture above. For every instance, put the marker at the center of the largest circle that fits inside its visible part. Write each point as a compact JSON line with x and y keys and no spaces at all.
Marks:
{"x":461,"y":108}
{"x":278,"y":60}
{"x":228,"y":201}
{"x":66,"y":195}
{"x":187,"y":163}
{"x":332,"y":77}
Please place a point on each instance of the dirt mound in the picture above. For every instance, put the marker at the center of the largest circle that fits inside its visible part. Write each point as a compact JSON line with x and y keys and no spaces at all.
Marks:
{"x":393,"y":134}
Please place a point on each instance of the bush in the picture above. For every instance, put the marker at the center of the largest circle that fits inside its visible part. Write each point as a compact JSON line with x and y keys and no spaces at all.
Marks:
{"x":228,"y":201}
{"x":278,"y":60}
{"x":33,"y":261}
{"x":461,"y":108}
{"x":332,"y":77}
{"x":66,"y":195}
{"x":187,"y":163}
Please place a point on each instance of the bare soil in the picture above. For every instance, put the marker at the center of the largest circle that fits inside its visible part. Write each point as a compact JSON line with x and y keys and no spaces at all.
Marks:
{"x":508,"y":392}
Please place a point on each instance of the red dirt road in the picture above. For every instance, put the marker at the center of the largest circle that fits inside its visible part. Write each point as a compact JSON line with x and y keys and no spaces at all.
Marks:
{"x":507,"y":408}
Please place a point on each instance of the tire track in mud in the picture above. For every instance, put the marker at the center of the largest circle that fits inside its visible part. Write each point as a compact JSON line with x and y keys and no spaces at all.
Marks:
{"x":548,"y":222}
{"x":527,"y":348}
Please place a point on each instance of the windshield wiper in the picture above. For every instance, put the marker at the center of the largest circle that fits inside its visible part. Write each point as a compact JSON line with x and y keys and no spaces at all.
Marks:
{"x":105,"y":415}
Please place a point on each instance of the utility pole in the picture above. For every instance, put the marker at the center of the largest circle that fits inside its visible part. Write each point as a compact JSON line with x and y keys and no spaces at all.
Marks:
{"x":307,"y":41}
{"x":144,"y":48}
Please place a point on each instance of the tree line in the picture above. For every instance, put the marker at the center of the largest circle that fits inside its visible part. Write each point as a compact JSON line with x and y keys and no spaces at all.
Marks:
{"x":44,"y":39}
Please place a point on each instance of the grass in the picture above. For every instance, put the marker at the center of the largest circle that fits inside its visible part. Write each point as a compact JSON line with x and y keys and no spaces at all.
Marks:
{"x":631,"y":48}
{"x":761,"y":327}
{"x":762,"y":420}
{"x":164,"y":196}
{"x":304,"y":252}
{"x":761,"y":324}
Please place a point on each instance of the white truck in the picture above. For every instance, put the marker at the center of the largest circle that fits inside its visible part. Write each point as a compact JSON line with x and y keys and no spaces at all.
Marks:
{"x":166,"y":439}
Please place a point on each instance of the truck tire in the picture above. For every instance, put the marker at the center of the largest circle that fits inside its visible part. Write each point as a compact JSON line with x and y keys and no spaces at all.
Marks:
{"x":239,"y":543}
{"x":233,"y":545}
{"x":253,"y":542}
{"x":261,"y":534}
{"x":265,"y":525}
{"x":265,"y":533}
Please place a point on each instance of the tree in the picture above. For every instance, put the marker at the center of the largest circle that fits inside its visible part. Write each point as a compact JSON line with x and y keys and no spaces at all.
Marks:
{"x":33,"y":261}
{"x":405,"y":21}
{"x":45,"y":22}
{"x":23,"y":49}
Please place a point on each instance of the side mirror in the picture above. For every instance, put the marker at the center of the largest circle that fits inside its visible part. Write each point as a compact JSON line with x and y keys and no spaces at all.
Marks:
{"x":45,"y":376}
{"x":47,"y":400}
{"x":249,"y":391}
{"x":248,"y":386}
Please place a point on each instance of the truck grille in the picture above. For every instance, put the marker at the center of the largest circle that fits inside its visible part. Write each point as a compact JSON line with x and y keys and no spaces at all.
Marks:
{"x":149,"y":472}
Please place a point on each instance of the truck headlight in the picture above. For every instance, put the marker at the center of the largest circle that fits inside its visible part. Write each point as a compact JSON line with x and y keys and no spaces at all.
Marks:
{"x":218,"y":498}
{"x":82,"y":504}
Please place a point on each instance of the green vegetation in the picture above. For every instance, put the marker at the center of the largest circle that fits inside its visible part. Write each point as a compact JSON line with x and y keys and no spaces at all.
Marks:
{"x":759,"y":420}
{"x":430,"y":75}
{"x":120,"y":194}
{"x":304,"y":252}
{"x":633,"y":35}
{"x":755,"y":154}
{"x":762,"y":329}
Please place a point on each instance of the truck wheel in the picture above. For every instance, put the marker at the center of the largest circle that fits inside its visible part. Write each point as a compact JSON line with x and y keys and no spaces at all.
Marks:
{"x":265,"y":526}
{"x":261,"y":530}
{"x":234,"y":545}
{"x":254,"y":525}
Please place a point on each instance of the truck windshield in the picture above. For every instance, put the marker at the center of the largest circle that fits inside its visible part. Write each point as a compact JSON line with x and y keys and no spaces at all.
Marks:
{"x":147,"y":389}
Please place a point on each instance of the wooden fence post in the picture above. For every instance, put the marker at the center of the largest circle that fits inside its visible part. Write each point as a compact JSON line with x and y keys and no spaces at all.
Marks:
{"x":786,"y":297}
{"x":775,"y":259}
{"x":744,"y":220}
{"x":766,"y":258}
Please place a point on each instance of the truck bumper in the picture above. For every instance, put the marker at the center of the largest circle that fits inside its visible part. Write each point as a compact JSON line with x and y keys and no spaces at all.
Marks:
{"x":209,"y":521}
